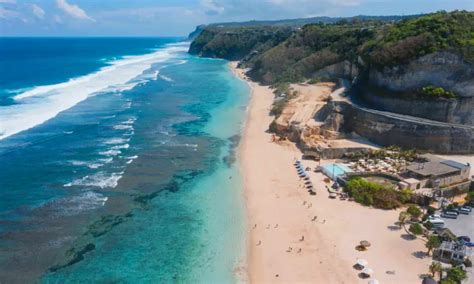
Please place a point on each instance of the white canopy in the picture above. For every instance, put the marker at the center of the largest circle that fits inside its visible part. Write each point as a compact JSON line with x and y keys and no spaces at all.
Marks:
{"x":362,"y":262}
{"x":367,"y":271}
{"x":374,"y":281}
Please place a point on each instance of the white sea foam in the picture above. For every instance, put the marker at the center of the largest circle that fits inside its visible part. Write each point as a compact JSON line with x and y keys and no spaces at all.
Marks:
{"x":115,"y":141}
{"x":101,"y":180}
{"x":118,"y":147}
{"x":42,"y":103}
{"x":166,"y":78}
{"x":123,"y":127}
{"x":90,"y":165}
{"x":106,"y":160}
{"x":87,"y":201}
{"x":110,"y":153}
{"x":130,"y":159}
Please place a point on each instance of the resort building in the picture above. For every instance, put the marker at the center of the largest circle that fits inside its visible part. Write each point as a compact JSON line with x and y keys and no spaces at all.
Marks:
{"x":450,"y":251}
{"x":436,"y":173}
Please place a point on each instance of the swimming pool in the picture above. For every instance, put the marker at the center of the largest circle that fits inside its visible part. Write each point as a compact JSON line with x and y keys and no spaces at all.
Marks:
{"x":335,"y":170}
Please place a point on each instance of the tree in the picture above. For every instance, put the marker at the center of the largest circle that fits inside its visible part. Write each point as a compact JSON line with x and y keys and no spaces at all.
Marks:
{"x":469,"y":197}
{"x":432,"y":243}
{"x":416,"y":229}
{"x":402,"y":219}
{"x":414,"y":211}
{"x":457,"y":274}
{"x":436,"y":267}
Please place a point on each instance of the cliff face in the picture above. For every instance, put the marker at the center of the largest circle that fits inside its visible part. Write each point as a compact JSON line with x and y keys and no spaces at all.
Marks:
{"x":389,"y":63}
{"x":443,"y":69}
{"x":194,"y":34}
{"x":237,"y":43}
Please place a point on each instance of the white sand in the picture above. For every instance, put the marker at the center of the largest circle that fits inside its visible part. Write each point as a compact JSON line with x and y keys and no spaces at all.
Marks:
{"x":274,"y":200}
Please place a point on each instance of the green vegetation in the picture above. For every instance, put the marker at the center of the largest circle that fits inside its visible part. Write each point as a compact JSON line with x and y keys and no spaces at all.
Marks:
{"x":419,"y":36}
{"x":373,"y":194}
{"x":437,"y":92}
{"x":312,"y":48}
{"x":436,"y":267}
{"x":432,"y":243}
{"x":237,"y":43}
{"x":414,"y":211}
{"x":416,"y":229}
{"x":470,"y":197}
{"x":300,"y":50}
{"x":455,"y":275}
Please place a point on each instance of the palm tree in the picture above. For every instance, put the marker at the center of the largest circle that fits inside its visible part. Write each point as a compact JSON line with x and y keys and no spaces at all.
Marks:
{"x":432,"y":243}
{"x":436,"y":267}
{"x":402,"y":220}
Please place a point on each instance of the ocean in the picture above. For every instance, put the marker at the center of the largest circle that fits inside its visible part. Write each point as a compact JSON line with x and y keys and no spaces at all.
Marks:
{"x":117,"y":162}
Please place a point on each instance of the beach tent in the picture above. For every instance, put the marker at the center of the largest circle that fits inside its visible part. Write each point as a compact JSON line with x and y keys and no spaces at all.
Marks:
{"x":362,"y":262}
{"x":367,"y":271}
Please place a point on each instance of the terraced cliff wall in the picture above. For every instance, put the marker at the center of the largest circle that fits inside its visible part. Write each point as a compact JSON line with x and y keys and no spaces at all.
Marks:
{"x":391,"y":129}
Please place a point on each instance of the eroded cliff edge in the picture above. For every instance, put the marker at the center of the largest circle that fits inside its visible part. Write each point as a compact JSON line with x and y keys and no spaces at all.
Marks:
{"x":411,"y":82}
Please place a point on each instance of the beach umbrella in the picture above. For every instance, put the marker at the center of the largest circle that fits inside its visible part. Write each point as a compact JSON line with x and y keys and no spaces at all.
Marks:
{"x":362,"y":262}
{"x":306,"y":177}
{"x":374,"y":281}
{"x":365,"y":243}
{"x":367,"y":271}
{"x":307,"y":182}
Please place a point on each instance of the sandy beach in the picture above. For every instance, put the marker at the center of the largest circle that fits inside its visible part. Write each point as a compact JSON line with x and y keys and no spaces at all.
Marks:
{"x":294,"y":237}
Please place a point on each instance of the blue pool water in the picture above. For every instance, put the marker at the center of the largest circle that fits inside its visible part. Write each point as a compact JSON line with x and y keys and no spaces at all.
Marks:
{"x":335,"y":170}
{"x":117,"y":162}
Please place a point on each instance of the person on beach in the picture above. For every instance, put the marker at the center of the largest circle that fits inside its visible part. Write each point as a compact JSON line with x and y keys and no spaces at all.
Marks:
{"x":302,"y":238}
{"x":259,"y":243}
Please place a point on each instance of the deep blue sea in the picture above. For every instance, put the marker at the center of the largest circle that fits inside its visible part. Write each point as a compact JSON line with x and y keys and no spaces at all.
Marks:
{"x":117,"y":162}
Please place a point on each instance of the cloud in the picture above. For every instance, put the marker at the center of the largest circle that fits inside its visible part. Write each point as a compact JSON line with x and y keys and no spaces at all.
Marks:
{"x":211,"y":7}
{"x":37,"y":11}
{"x":73,"y":10}
{"x":8,"y":14}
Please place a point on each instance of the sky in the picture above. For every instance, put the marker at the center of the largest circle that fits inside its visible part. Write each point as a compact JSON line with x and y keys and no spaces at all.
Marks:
{"x":179,"y":17}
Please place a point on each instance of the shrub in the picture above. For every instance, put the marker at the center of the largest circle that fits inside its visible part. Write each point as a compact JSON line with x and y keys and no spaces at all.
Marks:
{"x":431,"y":210}
{"x":416,"y":229}
{"x":428,"y":225}
{"x":468,"y":262}
{"x":456,"y":274}
{"x":372,"y":194}
{"x":414,"y":211}
{"x":437,"y":92}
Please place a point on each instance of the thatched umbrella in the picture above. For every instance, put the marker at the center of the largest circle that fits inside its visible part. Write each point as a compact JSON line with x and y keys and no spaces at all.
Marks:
{"x":365,"y":243}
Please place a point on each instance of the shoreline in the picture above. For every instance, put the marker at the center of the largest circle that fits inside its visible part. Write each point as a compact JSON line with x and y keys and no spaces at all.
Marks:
{"x":279,"y":213}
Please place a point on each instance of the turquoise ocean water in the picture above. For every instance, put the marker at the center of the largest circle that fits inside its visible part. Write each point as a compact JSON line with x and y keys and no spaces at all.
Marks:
{"x":118,"y":163}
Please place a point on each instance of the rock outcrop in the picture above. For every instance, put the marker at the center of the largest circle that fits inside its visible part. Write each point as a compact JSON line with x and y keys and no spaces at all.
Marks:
{"x":441,"y":69}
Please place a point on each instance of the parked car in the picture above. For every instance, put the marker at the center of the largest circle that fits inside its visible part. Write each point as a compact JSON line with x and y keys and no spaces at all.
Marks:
{"x":450,"y":216}
{"x":466,"y":207}
{"x":463,"y":211}
{"x":464,"y":239}
{"x":436,"y":222}
{"x":434,"y":216}
{"x":451,"y":212}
